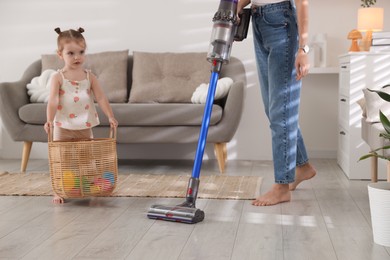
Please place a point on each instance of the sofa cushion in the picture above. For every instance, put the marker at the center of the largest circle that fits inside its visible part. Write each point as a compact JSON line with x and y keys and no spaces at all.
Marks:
{"x":136,"y":114}
{"x":109,"y":67}
{"x":167,"y":77}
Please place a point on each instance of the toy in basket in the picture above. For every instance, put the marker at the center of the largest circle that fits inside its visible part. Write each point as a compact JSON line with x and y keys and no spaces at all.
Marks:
{"x":83,"y":168}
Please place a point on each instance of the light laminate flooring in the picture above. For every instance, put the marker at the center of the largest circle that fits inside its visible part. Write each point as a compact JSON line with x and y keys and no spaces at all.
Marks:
{"x":328,"y":218}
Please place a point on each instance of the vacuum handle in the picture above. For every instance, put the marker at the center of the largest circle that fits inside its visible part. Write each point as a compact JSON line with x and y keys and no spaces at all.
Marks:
{"x":242,"y":28}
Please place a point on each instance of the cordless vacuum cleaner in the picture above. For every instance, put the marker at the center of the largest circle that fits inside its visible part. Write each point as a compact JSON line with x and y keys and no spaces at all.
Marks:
{"x":225,"y":30}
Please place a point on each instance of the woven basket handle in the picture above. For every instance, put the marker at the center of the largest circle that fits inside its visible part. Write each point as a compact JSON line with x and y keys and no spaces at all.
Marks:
{"x":50,"y":134}
{"x":113,"y":132}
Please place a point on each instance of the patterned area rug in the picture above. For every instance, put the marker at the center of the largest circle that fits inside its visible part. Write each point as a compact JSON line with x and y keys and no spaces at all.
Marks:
{"x":140,"y":185}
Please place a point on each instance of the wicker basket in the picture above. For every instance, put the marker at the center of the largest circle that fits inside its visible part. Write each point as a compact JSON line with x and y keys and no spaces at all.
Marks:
{"x":83,"y":168}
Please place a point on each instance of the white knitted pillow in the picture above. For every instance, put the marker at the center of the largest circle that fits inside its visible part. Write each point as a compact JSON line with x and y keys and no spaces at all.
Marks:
{"x":374,"y":103}
{"x":39,"y":87}
{"x":200,"y":94}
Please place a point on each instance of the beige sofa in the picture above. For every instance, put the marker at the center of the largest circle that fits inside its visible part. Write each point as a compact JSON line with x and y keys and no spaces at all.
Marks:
{"x":155,"y":114}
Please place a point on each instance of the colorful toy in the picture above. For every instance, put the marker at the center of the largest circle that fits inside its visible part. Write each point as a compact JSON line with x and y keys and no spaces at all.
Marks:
{"x":109,"y":176}
{"x":94,"y":189}
{"x":73,"y":184}
{"x":104,"y":184}
{"x":69,"y":181}
{"x":77,"y":182}
{"x":86,"y":184}
{"x":75,"y":192}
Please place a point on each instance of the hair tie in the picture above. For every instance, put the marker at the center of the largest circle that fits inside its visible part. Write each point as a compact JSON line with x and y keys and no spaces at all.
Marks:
{"x":58,"y":30}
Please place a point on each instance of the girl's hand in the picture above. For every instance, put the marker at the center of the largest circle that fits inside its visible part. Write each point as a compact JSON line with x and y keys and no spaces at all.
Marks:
{"x":47,"y":126}
{"x":113,"y":122}
{"x":301,"y":65}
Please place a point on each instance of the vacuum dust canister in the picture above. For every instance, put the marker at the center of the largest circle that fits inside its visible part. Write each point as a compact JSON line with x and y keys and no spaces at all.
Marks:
{"x":224,"y":29}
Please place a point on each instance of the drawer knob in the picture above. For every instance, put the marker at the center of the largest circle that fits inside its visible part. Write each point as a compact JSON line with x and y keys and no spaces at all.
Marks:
{"x":343,"y":100}
{"x":342,"y":133}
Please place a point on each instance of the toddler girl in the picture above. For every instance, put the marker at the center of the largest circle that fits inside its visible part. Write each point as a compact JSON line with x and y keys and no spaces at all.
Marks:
{"x":71,"y":111}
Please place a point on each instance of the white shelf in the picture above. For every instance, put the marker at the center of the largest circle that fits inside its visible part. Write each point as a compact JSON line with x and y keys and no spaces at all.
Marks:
{"x":325,"y":70}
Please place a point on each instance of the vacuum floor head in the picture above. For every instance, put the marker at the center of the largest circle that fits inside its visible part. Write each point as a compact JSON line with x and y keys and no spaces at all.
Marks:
{"x":176,"y":214}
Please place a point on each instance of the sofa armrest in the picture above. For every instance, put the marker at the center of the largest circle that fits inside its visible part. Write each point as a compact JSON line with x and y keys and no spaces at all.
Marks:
{"x":13,"y":95}
{"x":226,"y":128}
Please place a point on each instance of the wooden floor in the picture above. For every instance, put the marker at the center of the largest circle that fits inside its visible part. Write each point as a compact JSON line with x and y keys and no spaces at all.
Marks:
{"x":327,"y":219}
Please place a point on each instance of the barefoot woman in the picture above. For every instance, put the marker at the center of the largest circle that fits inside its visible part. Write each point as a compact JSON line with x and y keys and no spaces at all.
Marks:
{"x":280,"y":32}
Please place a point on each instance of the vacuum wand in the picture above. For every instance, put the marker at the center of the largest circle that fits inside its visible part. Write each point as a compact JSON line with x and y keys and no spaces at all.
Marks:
{"x":224,"y":30}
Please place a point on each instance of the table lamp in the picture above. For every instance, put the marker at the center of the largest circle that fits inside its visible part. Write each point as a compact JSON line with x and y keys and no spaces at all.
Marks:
{"x":369,"y":19}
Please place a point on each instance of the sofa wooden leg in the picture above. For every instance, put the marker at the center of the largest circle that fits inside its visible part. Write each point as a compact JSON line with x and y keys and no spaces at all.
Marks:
{"x":388,"y":171}
{"x":221,"y":154}
{"x":26,"y":155}
{"x":374,"y":169}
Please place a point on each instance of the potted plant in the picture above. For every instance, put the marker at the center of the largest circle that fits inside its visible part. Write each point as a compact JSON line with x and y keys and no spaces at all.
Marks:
{"x":368,"y":3}
{"x":379,"y":192}
{"x":385,"y":121}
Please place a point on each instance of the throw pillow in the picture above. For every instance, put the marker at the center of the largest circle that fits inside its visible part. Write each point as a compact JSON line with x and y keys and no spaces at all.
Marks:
{"x":362,"y":103}
{"x":39,"y":87}
{"x":167,"y":77}
{"x":109,"y":67}
{"x":374,"y":103}
{"x":200,"y":94}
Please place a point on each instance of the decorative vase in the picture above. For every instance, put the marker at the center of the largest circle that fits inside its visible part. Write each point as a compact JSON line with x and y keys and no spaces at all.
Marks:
{"x":319,"y":50}
{"x":379,"y":197}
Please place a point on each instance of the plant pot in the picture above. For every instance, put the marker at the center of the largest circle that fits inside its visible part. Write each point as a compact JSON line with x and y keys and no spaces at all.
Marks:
{"x":379,"y":197}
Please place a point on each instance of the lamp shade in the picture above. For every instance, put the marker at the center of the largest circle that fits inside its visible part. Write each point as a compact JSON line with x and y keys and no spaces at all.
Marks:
{"x":370,"y":19}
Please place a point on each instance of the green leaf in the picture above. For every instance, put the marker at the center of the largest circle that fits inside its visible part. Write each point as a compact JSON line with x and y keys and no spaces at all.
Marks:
{"x":380,"y":148}
{"x":367,"y":156}
{"x":385,"y":121}
{"x":385,"y":96}
{"x":368,"y":3}
{"x":385,"y":135}
{"x":383,"y":157}
{"x":374,"y":153}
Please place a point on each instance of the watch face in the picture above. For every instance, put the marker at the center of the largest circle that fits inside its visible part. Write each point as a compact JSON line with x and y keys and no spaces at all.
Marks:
{"x":305,"y":48}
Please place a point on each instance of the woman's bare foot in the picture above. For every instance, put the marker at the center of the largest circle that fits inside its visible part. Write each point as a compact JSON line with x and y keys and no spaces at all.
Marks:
{"x":303,"y":173}
{"x":279,"y":193}
{"x":57,"y":199}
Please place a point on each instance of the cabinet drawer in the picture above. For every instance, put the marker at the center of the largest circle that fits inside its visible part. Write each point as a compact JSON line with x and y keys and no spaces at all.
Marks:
{"x":343,"y":150}
{"x":344,"y":111}
{"x":345,"y":67}
{"x":344,"y":83}
{"x":343,"y":140}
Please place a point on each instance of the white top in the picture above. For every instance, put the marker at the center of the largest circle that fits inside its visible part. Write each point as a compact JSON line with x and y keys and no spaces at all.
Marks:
{"x":76,"y":109}
{"x":265,"y":2}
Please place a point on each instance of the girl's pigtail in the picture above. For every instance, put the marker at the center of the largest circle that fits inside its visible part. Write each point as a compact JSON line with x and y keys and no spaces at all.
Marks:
{"x":58,"y":30}
{"x":80,"y":30}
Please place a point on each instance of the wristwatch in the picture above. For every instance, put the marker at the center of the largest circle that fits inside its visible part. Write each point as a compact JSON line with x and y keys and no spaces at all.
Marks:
{"x":305,"y":48}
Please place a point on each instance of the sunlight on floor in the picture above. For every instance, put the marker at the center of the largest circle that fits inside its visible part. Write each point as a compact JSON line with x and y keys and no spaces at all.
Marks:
{"x":280,"y":219}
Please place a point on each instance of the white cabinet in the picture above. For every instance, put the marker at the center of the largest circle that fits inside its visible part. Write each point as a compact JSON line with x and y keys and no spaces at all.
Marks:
{"x":357,"y":71}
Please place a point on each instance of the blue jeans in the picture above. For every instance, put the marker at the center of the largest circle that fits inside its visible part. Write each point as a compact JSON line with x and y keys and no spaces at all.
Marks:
{"x":275,"y":34}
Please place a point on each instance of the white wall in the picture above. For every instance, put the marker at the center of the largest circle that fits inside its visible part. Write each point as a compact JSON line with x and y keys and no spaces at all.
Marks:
{"x":26,"y":29}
